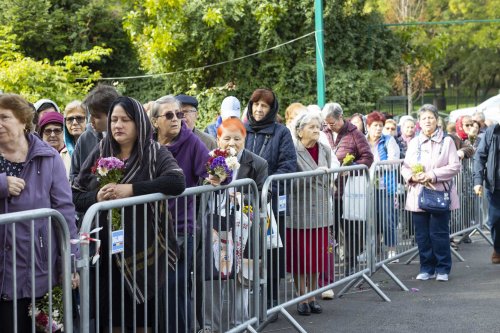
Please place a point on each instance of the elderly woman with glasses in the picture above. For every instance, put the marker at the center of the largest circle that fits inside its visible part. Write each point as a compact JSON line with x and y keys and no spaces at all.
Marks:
{"x":191,"y":155}
{"x":75,"y":119}
{"x":462,"y":126}
{"x":50,"y":129}
{"x":345,"y":138}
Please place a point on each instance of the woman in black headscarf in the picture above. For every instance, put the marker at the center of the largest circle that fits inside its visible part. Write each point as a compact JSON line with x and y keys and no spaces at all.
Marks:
{"x":149,"y":168}
{"x":273,"y":142}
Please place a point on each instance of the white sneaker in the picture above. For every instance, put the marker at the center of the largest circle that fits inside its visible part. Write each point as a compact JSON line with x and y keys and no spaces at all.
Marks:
{"x":442,"y":277}
{"x":425,"y":276}
{"x":362,"y":257}
{"x":392,"y":254}
{"x":328,"y":294}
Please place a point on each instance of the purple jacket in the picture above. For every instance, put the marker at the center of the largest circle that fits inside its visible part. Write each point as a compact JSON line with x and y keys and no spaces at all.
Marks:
{"x":191,"y":155}
{"x":46,"y":187}
{"x":440,"y":162}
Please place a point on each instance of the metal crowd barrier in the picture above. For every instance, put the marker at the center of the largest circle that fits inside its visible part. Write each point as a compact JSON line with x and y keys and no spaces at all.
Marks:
{"x":318,"y":225}
{"x":30,"y":225}
{"x":306,"y":233}
{"x":134,"y":282}
{"x":394,"y":235}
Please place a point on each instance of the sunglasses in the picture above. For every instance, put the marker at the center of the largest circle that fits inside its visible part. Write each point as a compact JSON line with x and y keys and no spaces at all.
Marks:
{"x":78,"y":119}
{"x":170,"y":115}
{"x":467,"y":125}
{"x":49,"y":131}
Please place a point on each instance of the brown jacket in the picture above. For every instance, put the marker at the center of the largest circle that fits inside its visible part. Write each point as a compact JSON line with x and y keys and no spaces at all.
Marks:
{"x":462,"y":145}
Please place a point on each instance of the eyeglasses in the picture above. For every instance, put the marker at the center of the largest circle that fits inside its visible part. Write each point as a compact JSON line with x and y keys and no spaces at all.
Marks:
{"x":331,"y":124}
{"x":79,"y":119}
{"x":170,"y":115}
{"x":467,"y":125}
{"x":49,"y":131}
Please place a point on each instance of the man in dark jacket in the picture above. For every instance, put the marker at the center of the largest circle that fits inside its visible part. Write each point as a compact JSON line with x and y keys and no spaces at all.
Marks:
{"x":97,"y":103}
{"x":189,"y":106}
{"x":486,"y":169}
{"x":345,"y":138}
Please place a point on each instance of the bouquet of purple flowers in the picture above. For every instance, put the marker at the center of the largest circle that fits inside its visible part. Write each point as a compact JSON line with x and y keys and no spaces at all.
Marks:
{"x":110,"y":170}
{"x":222,"y":163}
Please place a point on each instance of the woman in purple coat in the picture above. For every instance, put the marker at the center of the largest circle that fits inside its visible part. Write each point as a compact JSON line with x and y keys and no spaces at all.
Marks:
{"x":32,"y":175}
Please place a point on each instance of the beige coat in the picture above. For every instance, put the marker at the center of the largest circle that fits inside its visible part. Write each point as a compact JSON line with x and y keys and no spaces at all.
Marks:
{"x":312,"y":197}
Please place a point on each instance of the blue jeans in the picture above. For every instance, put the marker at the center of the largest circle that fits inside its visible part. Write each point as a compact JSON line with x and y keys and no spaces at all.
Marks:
{"x":494,"y":217}
{"x":432,"y":233}
{"x":386,"y":218}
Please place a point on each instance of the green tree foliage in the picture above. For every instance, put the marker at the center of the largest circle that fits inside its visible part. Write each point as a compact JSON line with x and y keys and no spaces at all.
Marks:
{"x":175,"y":35}
{"x":35,"y":79}
{"x":467,"y":54}
{"x":52,"y":29}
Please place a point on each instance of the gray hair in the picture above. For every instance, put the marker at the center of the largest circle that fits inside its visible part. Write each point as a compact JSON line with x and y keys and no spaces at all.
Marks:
{"x":332,"y":110}
{"x":479,"y":115}
{"x":304,"y":119}
{"x":428,"y":108}
{"x":168,"y":99}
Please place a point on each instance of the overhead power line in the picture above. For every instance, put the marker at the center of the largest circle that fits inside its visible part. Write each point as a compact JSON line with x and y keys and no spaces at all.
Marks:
{"x":206,"y":66}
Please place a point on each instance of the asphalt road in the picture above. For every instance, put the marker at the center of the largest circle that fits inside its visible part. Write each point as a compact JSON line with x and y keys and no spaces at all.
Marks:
{"x":468,"y":302}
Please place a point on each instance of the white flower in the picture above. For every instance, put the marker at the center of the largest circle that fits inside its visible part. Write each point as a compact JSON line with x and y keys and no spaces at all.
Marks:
{"x":232,"y":151}
{"x":211,"y":153}
{"x":102,"y":171}
{"x":232,"y":162}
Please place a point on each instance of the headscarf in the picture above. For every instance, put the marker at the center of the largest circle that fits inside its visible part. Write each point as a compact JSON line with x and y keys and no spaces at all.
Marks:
{"x":143,"y":154}
{"x":269,"y":119}
{"x":460,"y":128}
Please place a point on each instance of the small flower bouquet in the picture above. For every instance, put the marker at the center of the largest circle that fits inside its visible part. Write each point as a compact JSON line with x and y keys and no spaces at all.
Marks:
{"x":222,"y":163}
{"x":42,"y":312}
{"x":348,"y":159}
{"x":248,"y":211}
{"x":419,"y":168}
{"x":110,"y":170}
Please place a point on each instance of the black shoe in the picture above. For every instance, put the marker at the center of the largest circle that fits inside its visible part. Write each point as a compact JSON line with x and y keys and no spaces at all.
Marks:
{"x":303,"y":309}
{"x":315,"y":307}
{"x":273,"y":318}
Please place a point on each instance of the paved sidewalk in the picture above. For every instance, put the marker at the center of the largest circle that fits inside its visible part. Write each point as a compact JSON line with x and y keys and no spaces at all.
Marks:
{"x":468,"y":302}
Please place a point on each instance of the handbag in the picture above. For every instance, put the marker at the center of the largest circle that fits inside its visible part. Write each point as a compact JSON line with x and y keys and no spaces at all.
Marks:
{"x":434,"y":201}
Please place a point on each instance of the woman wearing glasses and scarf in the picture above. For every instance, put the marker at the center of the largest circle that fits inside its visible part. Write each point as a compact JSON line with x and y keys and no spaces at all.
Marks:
{"x":75,"y":121}
{"x":149,"y":168}
{"x":464,"y":148}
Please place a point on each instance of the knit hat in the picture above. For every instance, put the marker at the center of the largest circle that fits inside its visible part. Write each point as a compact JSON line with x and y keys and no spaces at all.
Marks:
{"x":50,"y":118}
{"x":189,"y":100}
{"x":230,"y":107}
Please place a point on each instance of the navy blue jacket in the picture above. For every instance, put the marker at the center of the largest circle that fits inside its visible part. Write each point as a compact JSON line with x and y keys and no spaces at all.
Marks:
{"x":486,"y":157}
{"x":274,"y":144}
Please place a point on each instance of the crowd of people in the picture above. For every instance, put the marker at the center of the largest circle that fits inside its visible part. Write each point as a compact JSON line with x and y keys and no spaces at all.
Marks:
{"x":163,"y":151}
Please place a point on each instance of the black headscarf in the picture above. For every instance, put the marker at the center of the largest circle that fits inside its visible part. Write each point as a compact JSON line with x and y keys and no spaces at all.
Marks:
{"x":141,"y":164}
{"x":269,"y":119}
